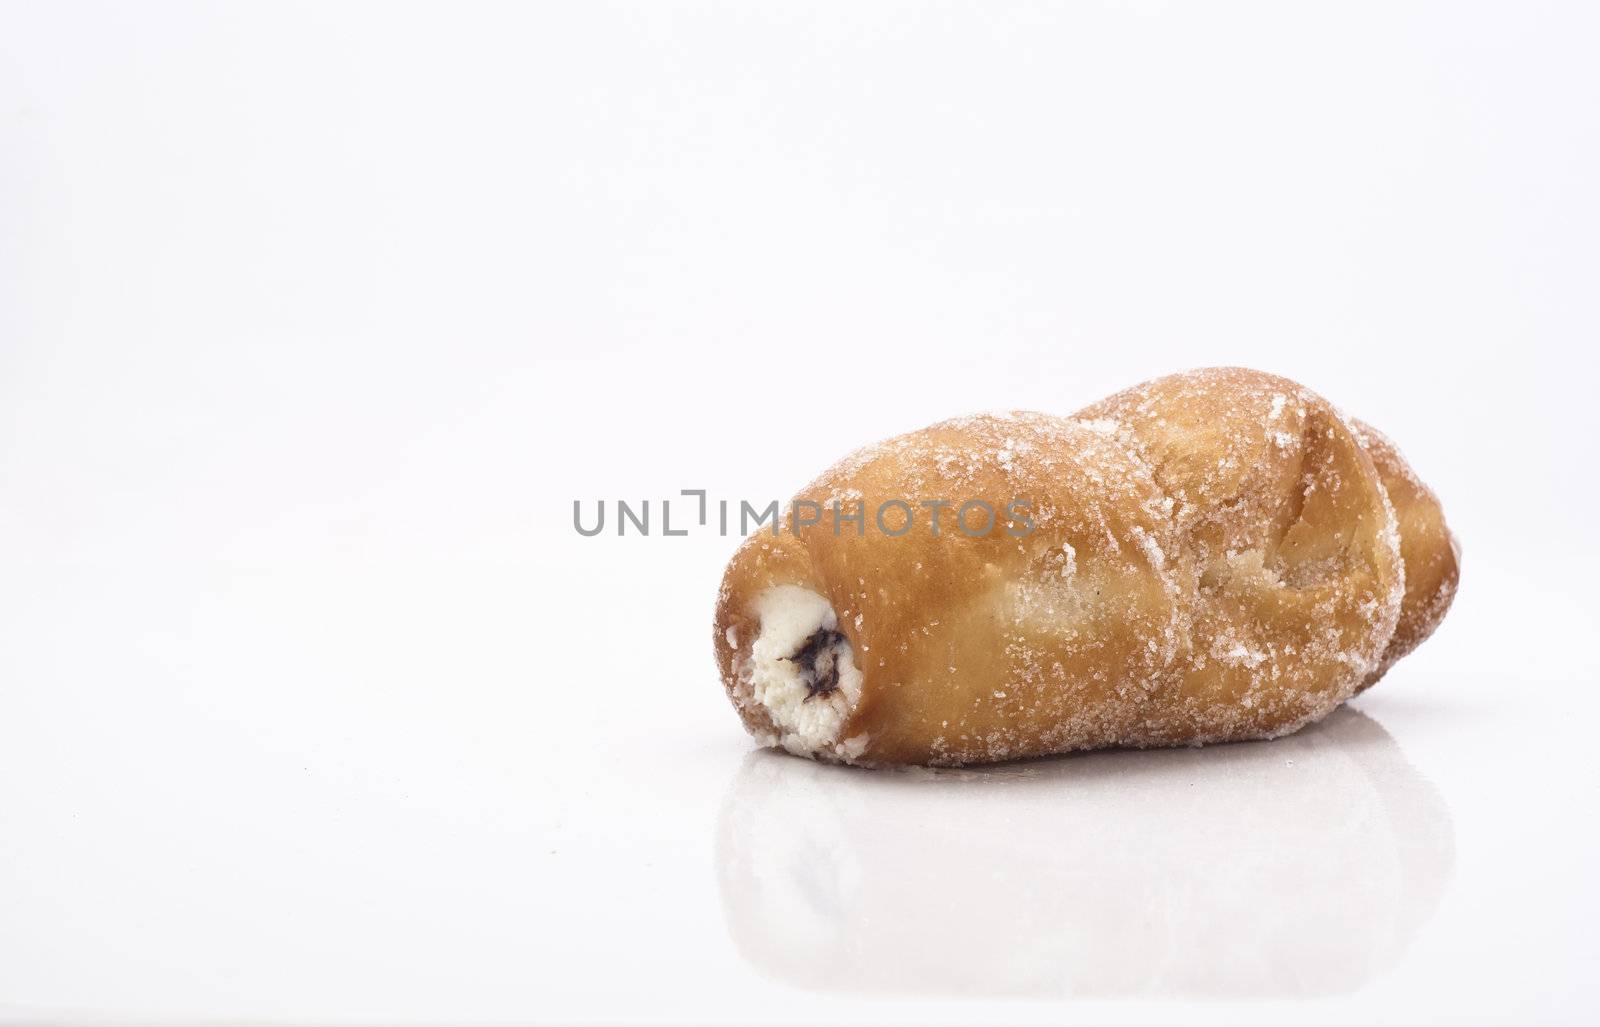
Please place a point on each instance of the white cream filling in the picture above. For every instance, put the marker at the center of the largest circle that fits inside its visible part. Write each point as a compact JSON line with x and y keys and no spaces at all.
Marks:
{"x":809,"y":719}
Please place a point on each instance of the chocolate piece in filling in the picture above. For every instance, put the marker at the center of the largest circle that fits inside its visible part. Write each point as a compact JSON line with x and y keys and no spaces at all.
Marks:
{"x":818,"y":660}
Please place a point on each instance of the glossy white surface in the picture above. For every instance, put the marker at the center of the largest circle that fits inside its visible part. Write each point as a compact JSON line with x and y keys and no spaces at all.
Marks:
{"x":314,"y":322}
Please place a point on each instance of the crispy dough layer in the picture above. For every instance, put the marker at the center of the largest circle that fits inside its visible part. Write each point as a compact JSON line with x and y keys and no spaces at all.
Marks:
{"x":1215,"y":556}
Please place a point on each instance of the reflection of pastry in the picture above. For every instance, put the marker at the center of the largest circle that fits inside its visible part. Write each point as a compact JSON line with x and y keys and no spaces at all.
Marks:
{"x":1304,"y":867}
{"x":1207,"y":557}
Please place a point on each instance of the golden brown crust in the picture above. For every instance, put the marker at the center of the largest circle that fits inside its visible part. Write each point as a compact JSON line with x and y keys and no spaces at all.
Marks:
{"x":1212,"y":557}
{"x":1431,"y":555}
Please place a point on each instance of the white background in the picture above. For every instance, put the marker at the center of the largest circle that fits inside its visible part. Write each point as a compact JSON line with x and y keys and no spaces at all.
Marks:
{"x":314,"y":321}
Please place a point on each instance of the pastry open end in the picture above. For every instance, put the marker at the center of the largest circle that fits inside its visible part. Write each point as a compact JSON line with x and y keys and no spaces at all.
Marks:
{"x":800,"y":670}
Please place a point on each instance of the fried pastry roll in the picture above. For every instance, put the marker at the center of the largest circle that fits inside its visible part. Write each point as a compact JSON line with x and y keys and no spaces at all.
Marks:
{"x":1212,"y":556}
